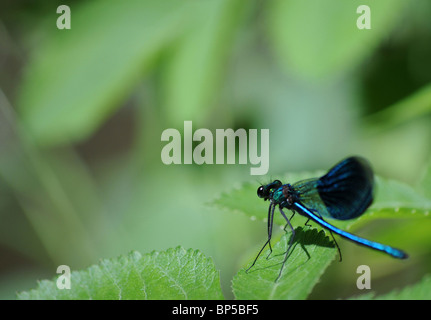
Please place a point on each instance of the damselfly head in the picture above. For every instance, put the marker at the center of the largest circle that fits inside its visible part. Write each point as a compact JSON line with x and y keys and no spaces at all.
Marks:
{"x":264,"y":191}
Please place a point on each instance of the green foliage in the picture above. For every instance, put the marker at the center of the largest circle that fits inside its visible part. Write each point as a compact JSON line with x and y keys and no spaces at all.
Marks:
{"x":201,"y":54}
{"x":392,"y":200}
{"x":332,"y":42}
{"x":414,"y":106}
{"x":172,"y":274}
{"x":114,"y":63}
{"x":224,"y":63}
{"x":66,"y":94}
{"x":425,"y":183}
{"x":311,"y":253}
{"x":61,"y":103}
{"x":180,"y":274}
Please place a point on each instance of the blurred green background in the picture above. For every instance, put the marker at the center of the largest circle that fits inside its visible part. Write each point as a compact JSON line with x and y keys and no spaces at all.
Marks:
{"x":82,"y":112}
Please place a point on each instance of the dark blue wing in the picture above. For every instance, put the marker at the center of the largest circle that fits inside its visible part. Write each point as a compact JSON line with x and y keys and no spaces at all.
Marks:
{"x":345,"y":192}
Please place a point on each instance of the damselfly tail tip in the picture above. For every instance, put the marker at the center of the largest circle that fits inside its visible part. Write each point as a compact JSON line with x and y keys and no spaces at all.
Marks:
{"x":404,"y":255}
{"x":396,"y":253}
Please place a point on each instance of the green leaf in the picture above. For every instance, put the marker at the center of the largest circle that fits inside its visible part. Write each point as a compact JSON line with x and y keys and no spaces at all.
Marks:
{"x":171,"y":274}
{"x":320,"y":38}
{"x":419,"y":291}
{"x":77,"y":77}
{"x":311,"y":254}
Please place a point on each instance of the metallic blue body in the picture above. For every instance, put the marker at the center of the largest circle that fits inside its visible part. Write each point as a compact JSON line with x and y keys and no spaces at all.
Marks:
{"x":396,"y":253}
{"x":345,"y":192}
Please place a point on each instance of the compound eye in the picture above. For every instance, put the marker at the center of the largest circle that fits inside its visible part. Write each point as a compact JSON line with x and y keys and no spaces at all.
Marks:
{"x":261,"y":192}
